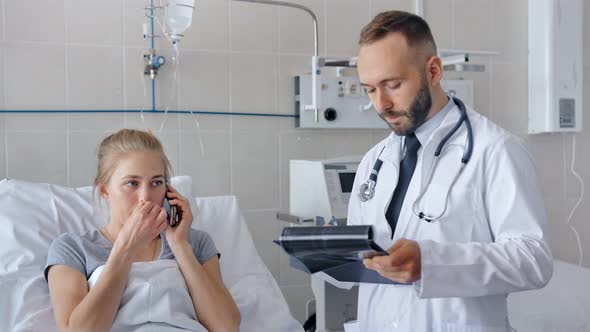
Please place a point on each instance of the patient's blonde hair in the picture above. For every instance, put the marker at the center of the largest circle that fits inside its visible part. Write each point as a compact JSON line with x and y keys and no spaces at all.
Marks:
{"x":117,"y":145}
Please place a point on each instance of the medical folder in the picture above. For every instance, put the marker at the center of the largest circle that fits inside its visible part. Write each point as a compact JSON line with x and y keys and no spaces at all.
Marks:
{"x":337,"y":251}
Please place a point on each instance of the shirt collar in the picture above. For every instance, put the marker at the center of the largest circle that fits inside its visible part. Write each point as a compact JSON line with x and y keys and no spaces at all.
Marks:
{"x":425,"y":130}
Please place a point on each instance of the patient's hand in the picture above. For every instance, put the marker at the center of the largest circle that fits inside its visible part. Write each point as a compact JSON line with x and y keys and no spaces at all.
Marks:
{"x":146,"y":221}
{"x":180,"y":233}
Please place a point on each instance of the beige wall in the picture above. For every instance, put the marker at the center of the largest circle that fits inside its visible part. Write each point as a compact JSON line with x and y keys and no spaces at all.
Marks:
{"x":82,"y":54}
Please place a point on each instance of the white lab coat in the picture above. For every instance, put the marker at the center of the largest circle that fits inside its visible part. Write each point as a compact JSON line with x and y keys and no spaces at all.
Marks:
{"x":490,"y":242}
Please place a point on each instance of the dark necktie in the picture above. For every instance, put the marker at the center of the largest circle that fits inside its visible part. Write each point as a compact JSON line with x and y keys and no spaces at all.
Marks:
{"x":406,"y":169}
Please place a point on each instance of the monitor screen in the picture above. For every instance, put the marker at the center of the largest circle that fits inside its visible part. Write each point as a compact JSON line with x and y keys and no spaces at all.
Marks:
{"x":346,"y":181}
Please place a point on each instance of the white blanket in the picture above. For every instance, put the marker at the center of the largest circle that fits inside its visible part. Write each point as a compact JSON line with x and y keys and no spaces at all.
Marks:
{"x":156,"y":298}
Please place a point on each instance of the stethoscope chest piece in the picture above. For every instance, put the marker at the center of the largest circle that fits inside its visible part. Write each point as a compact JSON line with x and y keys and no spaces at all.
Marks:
{"x":366,"y":192}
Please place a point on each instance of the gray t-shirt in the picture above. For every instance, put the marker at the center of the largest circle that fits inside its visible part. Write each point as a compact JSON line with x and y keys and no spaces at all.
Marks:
{"x":88,"y":251}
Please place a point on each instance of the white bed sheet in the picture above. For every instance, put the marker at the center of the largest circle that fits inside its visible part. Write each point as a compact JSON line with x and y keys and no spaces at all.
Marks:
{"x":33,"y":214}
{"x":563,"y":305}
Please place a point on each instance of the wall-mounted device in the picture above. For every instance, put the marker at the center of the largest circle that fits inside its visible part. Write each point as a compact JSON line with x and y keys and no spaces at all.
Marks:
{"x":556,"y":65}
{"x":153,"y":63}
{"x":345,"y":104}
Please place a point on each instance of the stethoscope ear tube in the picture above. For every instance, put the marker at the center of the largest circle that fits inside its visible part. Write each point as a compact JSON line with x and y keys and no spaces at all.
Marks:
{"x":464,"y":118}
{"x":421,"y":214}
{"x":375,"y":170}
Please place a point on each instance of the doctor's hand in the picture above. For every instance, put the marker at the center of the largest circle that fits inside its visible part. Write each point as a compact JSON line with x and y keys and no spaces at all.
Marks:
{"x":403,"y":264}
{"x":179,"y":234}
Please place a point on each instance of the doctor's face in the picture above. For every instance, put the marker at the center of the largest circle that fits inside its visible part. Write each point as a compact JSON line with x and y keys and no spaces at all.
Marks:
{"x":137,"y":176}
{"x":395,"y":84}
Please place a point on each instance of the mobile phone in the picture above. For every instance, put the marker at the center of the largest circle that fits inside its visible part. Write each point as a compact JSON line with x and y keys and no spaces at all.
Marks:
{"x":172,"y":213}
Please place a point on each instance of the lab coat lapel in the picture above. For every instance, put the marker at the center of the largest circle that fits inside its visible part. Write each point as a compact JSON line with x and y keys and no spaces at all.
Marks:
{"x":386,"y":183}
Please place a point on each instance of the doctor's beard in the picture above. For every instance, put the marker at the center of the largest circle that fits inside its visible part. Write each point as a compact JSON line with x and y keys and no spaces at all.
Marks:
{"x":417,"y":113}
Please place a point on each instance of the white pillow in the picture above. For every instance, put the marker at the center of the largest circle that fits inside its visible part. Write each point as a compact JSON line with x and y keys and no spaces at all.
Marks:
{"x":251,"y":284}
{"x":32,"y":215}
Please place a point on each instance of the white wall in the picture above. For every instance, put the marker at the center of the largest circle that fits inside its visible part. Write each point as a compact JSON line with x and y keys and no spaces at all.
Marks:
{"x":237,"y":57}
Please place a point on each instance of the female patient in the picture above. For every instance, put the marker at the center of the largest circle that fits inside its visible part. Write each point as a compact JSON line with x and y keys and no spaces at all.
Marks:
{"x":132,"y":176}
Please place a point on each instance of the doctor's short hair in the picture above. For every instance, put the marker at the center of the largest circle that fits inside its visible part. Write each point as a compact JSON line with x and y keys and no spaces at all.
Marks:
{"x":413,"y":27}
{"x":125,"y":141}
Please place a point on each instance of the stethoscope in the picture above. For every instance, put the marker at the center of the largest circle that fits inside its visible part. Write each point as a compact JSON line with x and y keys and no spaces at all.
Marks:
{"x":367,"y":190}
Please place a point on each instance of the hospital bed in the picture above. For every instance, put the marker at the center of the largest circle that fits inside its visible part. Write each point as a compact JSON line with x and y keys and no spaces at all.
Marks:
{"x":33,"y":214}
{"x":563,"y":305}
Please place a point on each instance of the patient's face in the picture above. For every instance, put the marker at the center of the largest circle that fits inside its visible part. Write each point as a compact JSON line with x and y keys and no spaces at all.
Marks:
{"x":137,"y":176}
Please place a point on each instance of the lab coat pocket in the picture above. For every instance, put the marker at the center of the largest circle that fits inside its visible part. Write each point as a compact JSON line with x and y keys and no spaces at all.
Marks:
{"x":452,"y":212}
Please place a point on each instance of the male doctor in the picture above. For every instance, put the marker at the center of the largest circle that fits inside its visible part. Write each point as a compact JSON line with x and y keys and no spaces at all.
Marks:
{"x":485,"y":234}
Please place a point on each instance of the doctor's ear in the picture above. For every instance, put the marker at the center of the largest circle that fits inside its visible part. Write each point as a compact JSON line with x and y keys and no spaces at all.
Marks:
{"x":434,"y":70}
